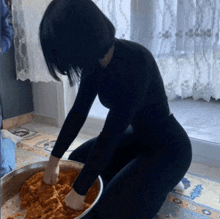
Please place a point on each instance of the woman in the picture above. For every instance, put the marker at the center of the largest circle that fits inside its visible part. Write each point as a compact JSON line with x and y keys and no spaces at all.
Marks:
{"x":142,"y":152}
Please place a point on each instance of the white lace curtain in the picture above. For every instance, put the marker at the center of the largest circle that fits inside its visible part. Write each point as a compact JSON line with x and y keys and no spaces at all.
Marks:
{"x":26,"y":18}
{"x":183,"y":36}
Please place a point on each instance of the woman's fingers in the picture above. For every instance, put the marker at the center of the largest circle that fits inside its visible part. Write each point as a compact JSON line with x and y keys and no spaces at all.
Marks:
{"x":51,"y":175}
{"x":55,"y":175}
{"x":54,"y":179}
{"x":46,"y":179}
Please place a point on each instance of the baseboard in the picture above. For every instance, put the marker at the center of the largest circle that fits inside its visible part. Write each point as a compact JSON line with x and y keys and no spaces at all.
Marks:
{"x":17,"y":121}
{"x":92,"y":125}
{"x":45,"y":120}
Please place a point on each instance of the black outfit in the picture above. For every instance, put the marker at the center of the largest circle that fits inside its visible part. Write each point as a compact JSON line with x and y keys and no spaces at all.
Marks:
{"x":142,"y":152}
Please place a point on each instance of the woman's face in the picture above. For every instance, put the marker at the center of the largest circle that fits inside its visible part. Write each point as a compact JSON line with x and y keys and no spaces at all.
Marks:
{"x":106,"y":60}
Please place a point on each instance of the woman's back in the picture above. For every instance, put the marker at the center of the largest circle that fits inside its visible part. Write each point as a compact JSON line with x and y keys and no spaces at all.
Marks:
{"x":132,"y":76}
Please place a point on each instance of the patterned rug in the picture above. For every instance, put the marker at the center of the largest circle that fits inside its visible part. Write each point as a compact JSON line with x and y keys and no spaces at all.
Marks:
{"x":200,"y":198}
{"x":42,"y":141}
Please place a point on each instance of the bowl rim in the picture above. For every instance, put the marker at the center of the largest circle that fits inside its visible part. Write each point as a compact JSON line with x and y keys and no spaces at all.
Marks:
{"x":42,"y":164}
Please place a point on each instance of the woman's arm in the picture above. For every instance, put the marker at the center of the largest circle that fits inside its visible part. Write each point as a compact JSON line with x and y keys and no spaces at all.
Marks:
{"x":76,"y":117}
{"x":103,"y":148}
{"x":117,"y":121}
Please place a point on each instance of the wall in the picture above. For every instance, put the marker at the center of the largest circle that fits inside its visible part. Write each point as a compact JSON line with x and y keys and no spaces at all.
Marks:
{"x":52,"y":102}
{"x":16,"y":95}
{"x":45,"y":101}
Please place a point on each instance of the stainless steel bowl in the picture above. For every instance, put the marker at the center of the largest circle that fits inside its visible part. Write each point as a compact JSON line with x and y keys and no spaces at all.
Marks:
{"x":11,"y":183}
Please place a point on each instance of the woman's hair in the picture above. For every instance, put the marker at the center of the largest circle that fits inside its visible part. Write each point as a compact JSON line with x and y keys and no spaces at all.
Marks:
{"x":74,"y":34}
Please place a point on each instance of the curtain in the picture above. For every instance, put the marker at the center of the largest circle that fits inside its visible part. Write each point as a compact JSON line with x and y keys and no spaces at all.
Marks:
{"x":26,"y":18}
{"x":182,"y":35}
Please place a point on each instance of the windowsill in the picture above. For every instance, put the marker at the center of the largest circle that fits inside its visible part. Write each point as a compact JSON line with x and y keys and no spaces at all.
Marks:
{"x":199,"y":118}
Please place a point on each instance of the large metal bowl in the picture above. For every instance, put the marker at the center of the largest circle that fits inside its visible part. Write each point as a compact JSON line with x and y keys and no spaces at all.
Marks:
{"x":11,"y":183}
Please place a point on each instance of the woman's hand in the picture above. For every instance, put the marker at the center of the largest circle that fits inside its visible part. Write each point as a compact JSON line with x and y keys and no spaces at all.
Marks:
{"x":74,"y":200}
{"x":52,"y":171}
{"x":51,"y":174}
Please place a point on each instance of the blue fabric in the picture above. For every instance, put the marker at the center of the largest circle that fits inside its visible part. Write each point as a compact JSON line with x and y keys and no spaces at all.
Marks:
{"x":0,"y":119}
{"x":6,"y":31}
{"x":7,"y":155}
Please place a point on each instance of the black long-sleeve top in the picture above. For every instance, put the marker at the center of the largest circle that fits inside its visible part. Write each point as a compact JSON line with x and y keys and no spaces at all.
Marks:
{"x":131,"y":87}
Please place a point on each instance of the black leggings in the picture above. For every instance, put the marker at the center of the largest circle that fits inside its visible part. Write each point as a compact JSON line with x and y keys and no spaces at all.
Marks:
{"x":146,"y":166}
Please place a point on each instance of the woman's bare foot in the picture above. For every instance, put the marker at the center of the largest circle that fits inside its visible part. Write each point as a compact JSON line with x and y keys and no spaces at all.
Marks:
{"x":179,"y":186}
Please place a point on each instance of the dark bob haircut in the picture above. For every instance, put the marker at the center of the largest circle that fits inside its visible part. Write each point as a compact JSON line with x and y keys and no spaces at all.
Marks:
{"x":74,"y":35}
